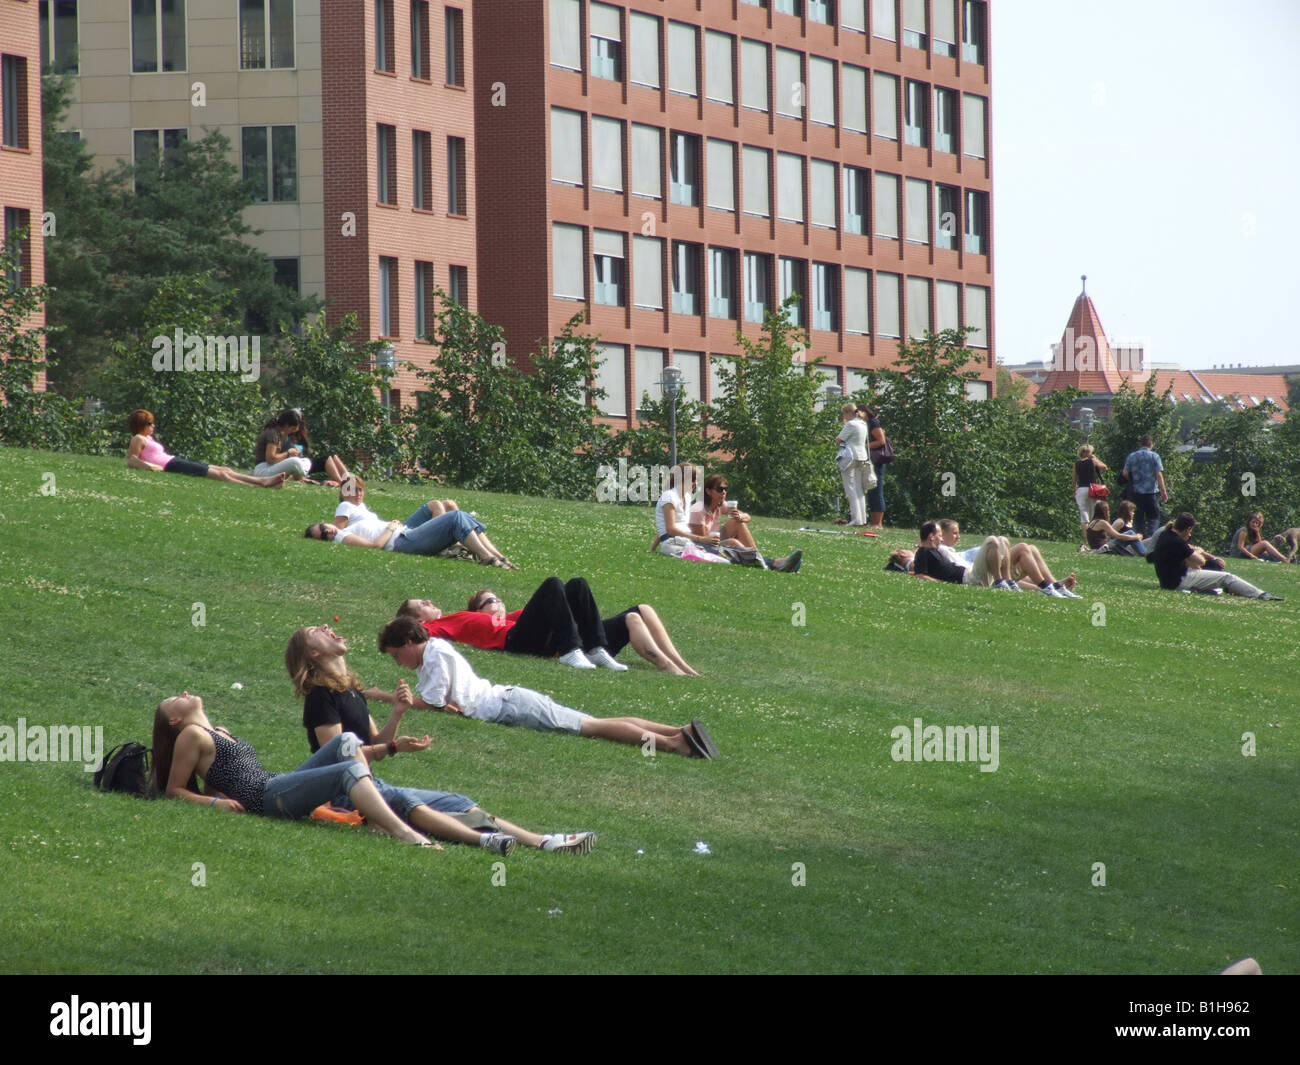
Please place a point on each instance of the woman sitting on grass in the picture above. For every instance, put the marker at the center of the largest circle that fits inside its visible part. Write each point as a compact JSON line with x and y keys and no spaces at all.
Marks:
{"x":1112,"y":540}
{"x":186,"y":746}
{"x":294,"y":427}
{"x":1248,"y":542}
{"x":561,"y":621}
{"x":145,"y":453}
{"x":706,"y":520}
{"x":334,"y":704}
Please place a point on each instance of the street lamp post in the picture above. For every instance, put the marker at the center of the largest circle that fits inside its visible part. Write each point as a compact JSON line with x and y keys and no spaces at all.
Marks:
{"x":1085,"y":419}
{"x":672,"y":386}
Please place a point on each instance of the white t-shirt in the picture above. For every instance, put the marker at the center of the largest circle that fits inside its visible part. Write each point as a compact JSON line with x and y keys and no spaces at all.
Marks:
{"x":445,"y":677}
{"x":959,"y":558}
{"x":363,"y":522}
{"x":681,"y":506}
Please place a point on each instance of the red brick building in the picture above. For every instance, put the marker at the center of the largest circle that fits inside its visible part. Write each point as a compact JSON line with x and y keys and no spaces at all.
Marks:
{"x":679,"y":167}
{"x":21,"y":195}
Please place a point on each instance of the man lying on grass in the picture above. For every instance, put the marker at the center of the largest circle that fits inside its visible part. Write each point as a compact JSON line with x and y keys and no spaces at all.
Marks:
{"x":447,"y":682}
{"x":1181,"y":567}
{"x":1025,"y":566}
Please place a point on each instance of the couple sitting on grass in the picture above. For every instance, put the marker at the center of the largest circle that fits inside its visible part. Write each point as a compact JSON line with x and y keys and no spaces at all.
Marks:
{"x":345,"y":740}
{"x":995,"y":563}
{"x":1183,"y":567}
{"x":434,"y":527}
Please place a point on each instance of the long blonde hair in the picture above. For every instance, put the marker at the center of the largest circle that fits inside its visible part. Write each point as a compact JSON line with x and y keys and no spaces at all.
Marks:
{"x":307,"y":674}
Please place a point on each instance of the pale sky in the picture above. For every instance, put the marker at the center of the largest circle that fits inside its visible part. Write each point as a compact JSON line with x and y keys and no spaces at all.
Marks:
{"x":1153,"y":145}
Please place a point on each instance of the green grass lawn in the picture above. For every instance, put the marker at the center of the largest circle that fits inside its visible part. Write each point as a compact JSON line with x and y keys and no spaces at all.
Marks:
{"x":1120,"y":743}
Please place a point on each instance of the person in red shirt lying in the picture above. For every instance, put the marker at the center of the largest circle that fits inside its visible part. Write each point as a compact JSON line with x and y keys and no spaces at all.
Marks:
{"x":561,"y":621}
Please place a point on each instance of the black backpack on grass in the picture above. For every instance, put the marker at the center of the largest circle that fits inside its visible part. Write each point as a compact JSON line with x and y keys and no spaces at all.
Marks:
{"x":128,"y":768}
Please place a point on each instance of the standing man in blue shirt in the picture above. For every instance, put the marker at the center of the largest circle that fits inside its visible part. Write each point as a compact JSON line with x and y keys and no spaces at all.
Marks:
{"x":1146,"y":474}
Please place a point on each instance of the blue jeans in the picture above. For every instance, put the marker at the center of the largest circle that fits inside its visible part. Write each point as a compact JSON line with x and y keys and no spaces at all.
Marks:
{"x":404,"y":800}
{"x":1148,"y":511}
{"x":427,"y":535}
{"x":333,"y":770}
{"x":876,"y":496}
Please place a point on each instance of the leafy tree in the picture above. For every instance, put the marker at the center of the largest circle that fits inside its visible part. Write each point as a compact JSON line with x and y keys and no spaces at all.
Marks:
{"x":30,"y":416}
{"x":779,"y":439}
{"x":649,"y":444}
{"x":1010,"y":388}
{"x":119,"y":233}
{"x":209,"y":415}
{"x":1191,"y":416}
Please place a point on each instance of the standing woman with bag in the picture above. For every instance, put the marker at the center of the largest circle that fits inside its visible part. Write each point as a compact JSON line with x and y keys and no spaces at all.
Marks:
{"x":1087,"y":472}
{"x":854,"y":462}
{"x":882,"y":454}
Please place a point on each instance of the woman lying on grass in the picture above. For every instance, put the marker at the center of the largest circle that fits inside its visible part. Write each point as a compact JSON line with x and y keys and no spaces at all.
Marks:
{"x":186,"y":746}
{"x":145,"y":453}
{"x":560,"y":621}
{"x":335,"y":704}
{"x":447,"y":682}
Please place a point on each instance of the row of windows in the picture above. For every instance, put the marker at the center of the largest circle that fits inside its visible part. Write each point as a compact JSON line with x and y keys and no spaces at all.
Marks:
{"x":606,"y":55}
{"x":269,"y":157}
{"x":728,"y":284}
{"x":421,"y":50}
{"x":425,"y":281}
{"x":421,"y":169}
{"x":723,"y":174}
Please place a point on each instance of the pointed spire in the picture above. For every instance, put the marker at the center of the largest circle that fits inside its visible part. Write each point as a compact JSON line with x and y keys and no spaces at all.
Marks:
{"x":1084,"y":279}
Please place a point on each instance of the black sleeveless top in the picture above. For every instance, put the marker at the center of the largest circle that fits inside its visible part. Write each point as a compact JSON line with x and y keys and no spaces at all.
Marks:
{"x":236,"y":772}
{"x":1085,"y":471}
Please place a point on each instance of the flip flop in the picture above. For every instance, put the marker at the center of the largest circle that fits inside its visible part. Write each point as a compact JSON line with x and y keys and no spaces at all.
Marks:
{"x":702,"y":734}
{"x":697,"y":748}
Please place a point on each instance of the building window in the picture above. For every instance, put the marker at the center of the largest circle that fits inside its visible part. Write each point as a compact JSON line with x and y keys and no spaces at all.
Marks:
{"x":607,"y":267}
{"x":883,"y":23}
{"x":157,"y":29}
{"x":972,"y":31}
{"x":887,"y":304}
{"x":757,"y":164}
{"x":685,"y":176}
{"x":824,"y":297}
{"x":611,"y":378}
{"x":855,"y":200}
{"x":887,"y":206}
{"x":821,"y":192}
{"x":147,"y":157}
{"x":976,"y":227}
{"x":944,"y":35}
{"x":566,"y":146}
{"x":386,"y":163}
{"x":648,"y":272}
{"x":265,"y":41}
{"x":822,"y":11}
{"x":387,"y":296}
{"x":421,"y":170}
{"x":721,"y":173}
{"x":719,"y":71}
{"x":566,"y":35}
{"x":977,"y":315}
{"x":686,"y":278}
{"x":647,"y":162}
{"x":643,"y":56}
{"x":793,"y":281}
{"x":917,"y":194}
{"x":947,"y":297}
{"x":420,"y":43}
{"x":458,"y":285}
{"x":789,"y":83}
{"x":284,"y":272}
{"x":456,"y":203}
{"x":722,"y":283}
{"x":681,"y":59}
{"x":853,"y":83}
{"x":789,"y":187}
{"x":606,"y":42}
{"x":821,"y":91}
{"x":424,"y":320}
{"x":567,"y":266}
{"x":59,"y":36}
{"x":753,"y":76}
{"x":857,"y":301}
{"x":606,"y":154}
{"x":758,"y":286}
{"x":454,"y":42}
{"x":789,"y":7}
{"x":914,"y":24}
{"x":946,"y":208}
{"x":273,"y":174}
{"x":972,"y":127}
{"x":918,"y":306}
{"x":13,"y":97}
{"x":18,"y":241}
{"x":649,"y":376}
{"x":385,"y":45}
{"x":885,"y":106}
{"x":945,"y":120}
{"x":915,"y":120}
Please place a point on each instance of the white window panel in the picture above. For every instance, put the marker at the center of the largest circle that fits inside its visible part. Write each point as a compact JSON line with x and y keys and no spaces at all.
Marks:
{"x":885,"y":106}
{"x":753,"y":75}
{"x":789,"y":187}
{"x":977,"y":314}
{"x":882,"y":20}
{"x":857,"y":300}
{"x":643,"y":54}
{"x":568,"y":265}
{"x":972,"y":126}
{"x":821,"y":91}
{"x":566,"y":38}
{"x":719,"y":80}
{"x":790,"y":88}
{"x":853,"y":15}
{"x":603,"y":20}
{"x":918,"y":306}
{"x":648,"y":272}
{"x":681,"y":59}
{"x":947,"y":295}
{"x":887,"y":300}
{"x":607,"y":153}
{"x":758,"y":194}
{"x":566,"y":146}
{"x":887,"y":206}
{"x":611,"y":375}
{"x":821,"y":190}
{"x":689,"y":363}
{"x":649,"y":374}
{"x":647,"y":161}
{"x":721,"y":163}
{"x":854,"y":113}
{"x":918,"y":211}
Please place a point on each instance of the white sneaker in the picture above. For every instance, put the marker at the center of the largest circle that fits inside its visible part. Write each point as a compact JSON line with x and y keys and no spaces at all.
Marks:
{"x":1064,"y":592}
{"x":498,"y":843}
{"x":573,"y":843}
{"x":576,"y":659}
{"x":1048,"y":590}
{"x":601,"y":657}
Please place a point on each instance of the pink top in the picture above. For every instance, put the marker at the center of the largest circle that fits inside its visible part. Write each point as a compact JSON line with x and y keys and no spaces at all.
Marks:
{"x":153,"y":453}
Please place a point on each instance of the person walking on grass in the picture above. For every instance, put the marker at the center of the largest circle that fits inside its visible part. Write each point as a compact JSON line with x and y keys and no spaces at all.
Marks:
{"x":1146,"y":477}
{"x":447,"y":682}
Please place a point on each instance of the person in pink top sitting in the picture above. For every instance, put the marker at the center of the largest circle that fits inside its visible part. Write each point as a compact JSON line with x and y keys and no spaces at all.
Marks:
{"x":145,"y":453}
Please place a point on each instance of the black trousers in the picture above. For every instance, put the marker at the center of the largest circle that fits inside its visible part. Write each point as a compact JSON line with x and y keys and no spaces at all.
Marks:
{"x":558,"y":618}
